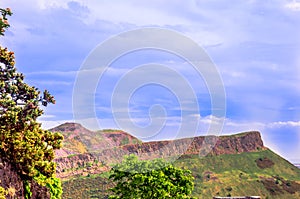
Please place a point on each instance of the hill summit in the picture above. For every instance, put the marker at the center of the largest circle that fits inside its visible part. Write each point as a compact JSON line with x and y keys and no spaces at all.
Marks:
{"x":109,"y":146}
{"x":79,"y":140}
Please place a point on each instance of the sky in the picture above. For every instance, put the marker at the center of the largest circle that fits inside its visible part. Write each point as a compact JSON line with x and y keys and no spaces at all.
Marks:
{"x":253,"y":45}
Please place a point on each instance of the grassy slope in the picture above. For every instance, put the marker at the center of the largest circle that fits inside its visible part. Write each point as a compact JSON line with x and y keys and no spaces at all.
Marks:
{"x":236,"y":174}
{"x":86,"y":187}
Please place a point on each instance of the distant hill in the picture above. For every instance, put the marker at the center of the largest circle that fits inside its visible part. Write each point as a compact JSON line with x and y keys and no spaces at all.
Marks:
{"x":79,"y":140}
{"x":237,"y":165}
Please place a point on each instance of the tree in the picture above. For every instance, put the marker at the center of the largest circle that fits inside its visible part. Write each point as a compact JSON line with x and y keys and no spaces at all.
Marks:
{"x":22,"y":140}
{"x":150,"y":179}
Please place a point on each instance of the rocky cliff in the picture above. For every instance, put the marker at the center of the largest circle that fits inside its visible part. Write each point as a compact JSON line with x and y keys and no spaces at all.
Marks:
{"x":96,"y":162}
{"x":213,"y":145}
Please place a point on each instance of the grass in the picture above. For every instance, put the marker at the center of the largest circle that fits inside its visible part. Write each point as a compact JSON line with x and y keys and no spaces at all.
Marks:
{"x":240,"y":172}
{"x":223,"y":175}
{"x":92,"y":186}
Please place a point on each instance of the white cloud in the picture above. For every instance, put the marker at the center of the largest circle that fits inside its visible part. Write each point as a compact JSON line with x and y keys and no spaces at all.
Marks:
{"x":51,"y":124}
{"x":56,"y":73}
{"x":45,"y":4}
{"x":51,"y":83}
{"x":294,"y":5}
{"x":134,"y":12}
{"x":141,"y":14}
{"x":46,"y":117}
{"x":239,"y":126}
{"x":285,"y":123}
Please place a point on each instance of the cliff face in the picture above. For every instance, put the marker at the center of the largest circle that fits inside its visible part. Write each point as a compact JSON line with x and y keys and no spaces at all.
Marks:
{"x":245,"y":142}
{"x":212,"y":145}
{"x":11,"y":181}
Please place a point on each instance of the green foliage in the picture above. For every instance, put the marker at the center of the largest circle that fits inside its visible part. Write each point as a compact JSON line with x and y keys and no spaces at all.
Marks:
{"x":27,"y":193}
{"x":3,"y":193}
{"x":3,"y":20}
{"x":125,"y":141}
{"x":150,"y":179}
{"x":22,"y":141}
{"x":53,"y":183}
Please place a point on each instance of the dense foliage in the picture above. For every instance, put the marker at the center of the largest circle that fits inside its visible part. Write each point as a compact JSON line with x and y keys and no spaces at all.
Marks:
{"x":3,"y":20}
{"x":3,"y":193}
{"x":22,"y":140}
{"x":150,"y":179}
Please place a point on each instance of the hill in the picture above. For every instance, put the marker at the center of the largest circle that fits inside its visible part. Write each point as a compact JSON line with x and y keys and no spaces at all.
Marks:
{"x":297,"y":165}
{"x":223,"y":175}
{"x":237,"y":165}
{"x":79,"y":140}
{"x":262,"y":173}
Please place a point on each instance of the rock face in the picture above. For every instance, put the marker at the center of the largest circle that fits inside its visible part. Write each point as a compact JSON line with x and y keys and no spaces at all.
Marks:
{"x":202,"y":145}
{"x":244,"y":142}
{"x":9,"y":179}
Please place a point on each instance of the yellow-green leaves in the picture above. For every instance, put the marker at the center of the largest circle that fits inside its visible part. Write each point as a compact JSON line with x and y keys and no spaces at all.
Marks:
{"x":150,"y":179}
{"x":3,"y":20}
{"x":22,"y":141}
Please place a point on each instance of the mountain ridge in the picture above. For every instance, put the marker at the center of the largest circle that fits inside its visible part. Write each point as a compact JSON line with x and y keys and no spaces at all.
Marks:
{"x":112,"y":137}
{"x":113,"y":149}
{"x":237,"y":164}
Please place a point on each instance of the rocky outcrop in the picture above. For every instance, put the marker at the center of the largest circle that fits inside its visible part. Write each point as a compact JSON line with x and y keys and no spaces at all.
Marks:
{"x":239,"y":143}
{"x":203,"y":145}
{"x":11,"y":181}
{"x":214,"y":145}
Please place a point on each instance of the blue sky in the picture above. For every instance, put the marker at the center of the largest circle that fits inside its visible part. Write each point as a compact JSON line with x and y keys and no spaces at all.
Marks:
{"x":255,"y":46}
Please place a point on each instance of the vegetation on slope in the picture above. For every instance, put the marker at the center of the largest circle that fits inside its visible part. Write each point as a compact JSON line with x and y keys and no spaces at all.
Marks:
{"x":239,"y":174}
{"x":79,"y":140}
{"x":223,"y":175}
{"x":91,"y":186}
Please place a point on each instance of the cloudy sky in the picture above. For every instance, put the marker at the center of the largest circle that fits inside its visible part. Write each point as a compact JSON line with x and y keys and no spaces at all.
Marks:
{"x":254,"y":45}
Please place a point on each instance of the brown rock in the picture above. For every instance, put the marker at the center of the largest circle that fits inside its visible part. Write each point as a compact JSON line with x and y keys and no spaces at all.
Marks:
{"x":9,"y":178}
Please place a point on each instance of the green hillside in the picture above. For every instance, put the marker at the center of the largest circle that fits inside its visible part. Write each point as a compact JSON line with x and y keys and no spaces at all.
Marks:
{"x":261,"y":173}
{"x":257,"y":173}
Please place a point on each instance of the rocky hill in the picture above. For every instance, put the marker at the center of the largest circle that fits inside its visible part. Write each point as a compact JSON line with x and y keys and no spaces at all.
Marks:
{"x":231,"y":165}
{"x":79,"y":140}
{"x":244,"y":142}
{"x":85,"y":152}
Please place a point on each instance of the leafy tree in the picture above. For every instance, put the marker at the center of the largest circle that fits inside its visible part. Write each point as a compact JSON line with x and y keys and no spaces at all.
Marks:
{"x":150,"y":179}
{"x":22,"y":140}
